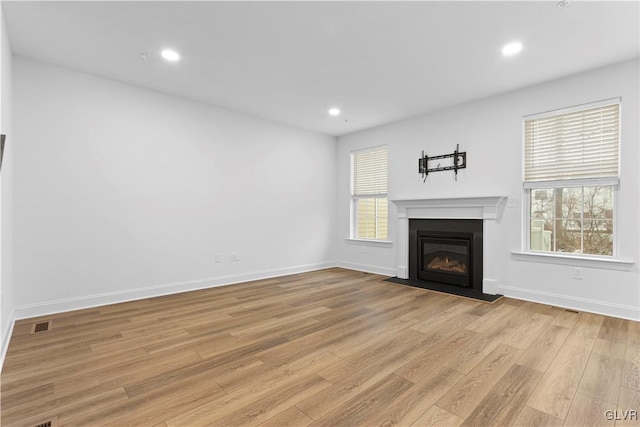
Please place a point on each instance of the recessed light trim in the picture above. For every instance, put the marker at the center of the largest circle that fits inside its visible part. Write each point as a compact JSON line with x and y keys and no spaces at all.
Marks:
{"x":512,"y":49}
{"x":170,"y":55}
{"x":334,"y":111}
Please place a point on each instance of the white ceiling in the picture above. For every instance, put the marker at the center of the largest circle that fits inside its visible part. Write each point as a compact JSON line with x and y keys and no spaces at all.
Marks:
{"x":290,"y":61}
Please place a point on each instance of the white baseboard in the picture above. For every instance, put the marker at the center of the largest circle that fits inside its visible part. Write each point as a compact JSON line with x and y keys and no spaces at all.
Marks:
{"x":6,"y":337}
{"x":574,"y":303}
{"x":384,"y":271}
{"x":90,"y":301}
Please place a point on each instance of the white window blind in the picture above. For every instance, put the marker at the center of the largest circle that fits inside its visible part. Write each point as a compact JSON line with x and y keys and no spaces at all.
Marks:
{"x":574,"y":145}
{"x":370,"y":172}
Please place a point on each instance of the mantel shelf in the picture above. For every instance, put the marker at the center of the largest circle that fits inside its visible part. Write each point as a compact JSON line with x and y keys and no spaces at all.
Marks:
{"x":484,"y":201}
{"x":485,"y":207}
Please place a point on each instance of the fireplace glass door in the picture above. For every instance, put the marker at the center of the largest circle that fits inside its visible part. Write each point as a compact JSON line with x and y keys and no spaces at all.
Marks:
{"x":445,"y":260}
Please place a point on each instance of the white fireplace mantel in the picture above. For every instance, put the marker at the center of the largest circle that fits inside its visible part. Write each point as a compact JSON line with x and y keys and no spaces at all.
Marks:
{"x":489,"y":209}
{"x":454,"y":207}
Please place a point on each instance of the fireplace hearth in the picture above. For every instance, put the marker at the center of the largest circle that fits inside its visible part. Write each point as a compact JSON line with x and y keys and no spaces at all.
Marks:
{"x":446,"y":251}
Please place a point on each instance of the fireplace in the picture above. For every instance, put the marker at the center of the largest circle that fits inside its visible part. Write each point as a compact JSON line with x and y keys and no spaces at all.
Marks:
{"x":487,"y":210}
{"x":444,"y":259}
{"x":446,"y":251}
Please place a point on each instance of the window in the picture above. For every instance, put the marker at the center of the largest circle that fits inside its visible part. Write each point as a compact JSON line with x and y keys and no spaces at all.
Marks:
{"x":571,"y":178}
{"x":369,"y":173}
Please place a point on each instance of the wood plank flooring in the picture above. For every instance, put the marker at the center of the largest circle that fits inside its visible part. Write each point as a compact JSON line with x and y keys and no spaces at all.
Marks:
{"x":326,"y":348}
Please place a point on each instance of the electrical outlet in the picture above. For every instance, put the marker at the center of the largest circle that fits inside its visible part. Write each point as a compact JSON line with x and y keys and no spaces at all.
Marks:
{"x":577,"y":273}
{"x":217,"y":258}
{"x":235,"y":256}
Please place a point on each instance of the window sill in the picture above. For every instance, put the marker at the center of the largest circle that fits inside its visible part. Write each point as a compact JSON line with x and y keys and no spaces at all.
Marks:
{"x":369,"y":242}
{"x":574,"y":260}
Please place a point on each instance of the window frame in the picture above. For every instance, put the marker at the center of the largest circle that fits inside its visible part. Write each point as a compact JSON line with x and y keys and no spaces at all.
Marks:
{"x":353,"y":229}
{"x":529,"y":186}
{"x":553,"y":185}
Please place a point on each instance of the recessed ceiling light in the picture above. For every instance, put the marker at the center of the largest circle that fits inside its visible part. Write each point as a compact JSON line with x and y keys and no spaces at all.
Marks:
{"x":334,"y":112}
{"x":511,"y":49}
{"x":170,"y":55}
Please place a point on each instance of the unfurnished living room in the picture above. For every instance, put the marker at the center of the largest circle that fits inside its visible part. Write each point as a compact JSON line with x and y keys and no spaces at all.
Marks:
{"x":320,"y":213}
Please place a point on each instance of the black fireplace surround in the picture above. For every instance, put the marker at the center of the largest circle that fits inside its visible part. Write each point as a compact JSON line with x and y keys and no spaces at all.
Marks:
{"x":446,"y":251}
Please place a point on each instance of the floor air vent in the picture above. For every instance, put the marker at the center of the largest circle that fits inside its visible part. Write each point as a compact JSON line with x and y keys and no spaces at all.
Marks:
{"x":50,"y":423}
{"x":41,"y":327}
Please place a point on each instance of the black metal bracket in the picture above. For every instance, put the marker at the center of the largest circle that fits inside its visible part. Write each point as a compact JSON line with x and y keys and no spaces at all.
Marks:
{"x":459,"y":162}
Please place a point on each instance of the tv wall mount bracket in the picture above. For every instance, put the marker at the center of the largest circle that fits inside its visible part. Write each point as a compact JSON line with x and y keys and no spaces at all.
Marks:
{"x":456,"y":160}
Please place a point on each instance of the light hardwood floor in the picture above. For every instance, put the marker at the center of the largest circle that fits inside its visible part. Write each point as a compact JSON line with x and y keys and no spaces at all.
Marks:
{"x":334,"y":348}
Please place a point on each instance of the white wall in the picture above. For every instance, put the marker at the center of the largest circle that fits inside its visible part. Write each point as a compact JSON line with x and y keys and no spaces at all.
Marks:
{"x":122,"y":192}
{"x":490,"y":131}
{"x":6,"y":194}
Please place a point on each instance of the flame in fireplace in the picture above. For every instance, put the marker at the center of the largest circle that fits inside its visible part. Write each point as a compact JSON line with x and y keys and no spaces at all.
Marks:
{"x":447,"y":265}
